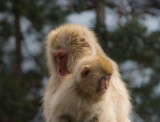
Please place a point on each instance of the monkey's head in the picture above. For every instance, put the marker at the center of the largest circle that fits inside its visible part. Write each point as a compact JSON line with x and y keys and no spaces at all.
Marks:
{"x":92,"y":76}
{"x":72,"y":42}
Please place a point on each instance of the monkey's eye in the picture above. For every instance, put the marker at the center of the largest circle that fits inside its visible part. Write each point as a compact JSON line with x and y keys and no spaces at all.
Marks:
{"x":106,"y":77}
{"x":58,"y":47}
{"x":103,"y":78}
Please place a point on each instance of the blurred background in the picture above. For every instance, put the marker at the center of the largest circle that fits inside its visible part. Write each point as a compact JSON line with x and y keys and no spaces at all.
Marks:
{"x":128,"y":30}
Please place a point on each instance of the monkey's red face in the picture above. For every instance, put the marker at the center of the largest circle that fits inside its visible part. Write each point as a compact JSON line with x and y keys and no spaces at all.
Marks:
{"x":61,"y":57}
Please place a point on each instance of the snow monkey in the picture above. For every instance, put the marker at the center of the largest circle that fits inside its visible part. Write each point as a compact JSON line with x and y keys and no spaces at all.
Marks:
{"x":90,"y":94}
{"x":65,"y":47}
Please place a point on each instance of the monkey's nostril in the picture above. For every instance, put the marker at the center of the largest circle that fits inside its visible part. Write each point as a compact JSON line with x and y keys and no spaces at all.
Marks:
{"x":61,"y":57}
{"x":60,"y":70}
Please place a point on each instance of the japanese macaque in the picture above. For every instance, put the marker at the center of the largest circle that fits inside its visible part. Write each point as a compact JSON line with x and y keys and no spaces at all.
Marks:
{"x":66,"y":47}
{"x":90,"y":94}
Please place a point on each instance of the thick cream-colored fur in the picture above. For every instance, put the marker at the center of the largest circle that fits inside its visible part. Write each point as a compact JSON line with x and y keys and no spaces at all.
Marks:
{"x":116,"y":106}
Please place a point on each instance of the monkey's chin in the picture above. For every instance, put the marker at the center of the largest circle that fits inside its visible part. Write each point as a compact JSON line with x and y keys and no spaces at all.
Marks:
{"x":62,"y":69}
{"x":63,"y":72}
{"x":102,"y":90}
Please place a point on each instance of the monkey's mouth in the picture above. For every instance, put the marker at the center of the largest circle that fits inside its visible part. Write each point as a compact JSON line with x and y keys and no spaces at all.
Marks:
{"x":61,"y":57}
{"x":62,"y":70}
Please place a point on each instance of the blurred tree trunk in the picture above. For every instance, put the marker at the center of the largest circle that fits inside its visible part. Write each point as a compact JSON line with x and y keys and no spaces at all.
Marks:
{"x":100,"y":23}
{"x":19,"y":38}
{"x":100,"y":15}
{"x":70,"y":5}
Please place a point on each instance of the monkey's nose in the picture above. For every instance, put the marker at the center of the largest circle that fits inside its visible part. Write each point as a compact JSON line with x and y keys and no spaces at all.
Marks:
{"x":103,"y":84}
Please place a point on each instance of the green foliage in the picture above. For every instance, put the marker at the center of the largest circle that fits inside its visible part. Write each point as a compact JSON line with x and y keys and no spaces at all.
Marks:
{"x":6,"y":29}
{"x":146,"y":102}
{"x":132,"y":36}
{"x":80,"y":5}
{"x":14,"y":104}
{"x":20,"y":96}
{"x":2,"y":5}
{"x":55,"y":15}
{"x":34,"y":13}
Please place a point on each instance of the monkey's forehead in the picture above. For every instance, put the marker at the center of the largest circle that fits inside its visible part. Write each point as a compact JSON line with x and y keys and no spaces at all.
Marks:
{"x":98,"y":63}
{"x":61,"y":35}
{"x":106,"y":64}
{"x":71,"y":30}
{"x":71,"y":26}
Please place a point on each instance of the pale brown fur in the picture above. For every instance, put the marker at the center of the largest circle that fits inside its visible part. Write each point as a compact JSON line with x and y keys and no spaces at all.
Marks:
{"x":77,"y":96}
{"x":69,"y":37}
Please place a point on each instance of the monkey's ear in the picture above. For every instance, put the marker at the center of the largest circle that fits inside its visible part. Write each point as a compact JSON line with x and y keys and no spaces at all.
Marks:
{"x":85,"y":70}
